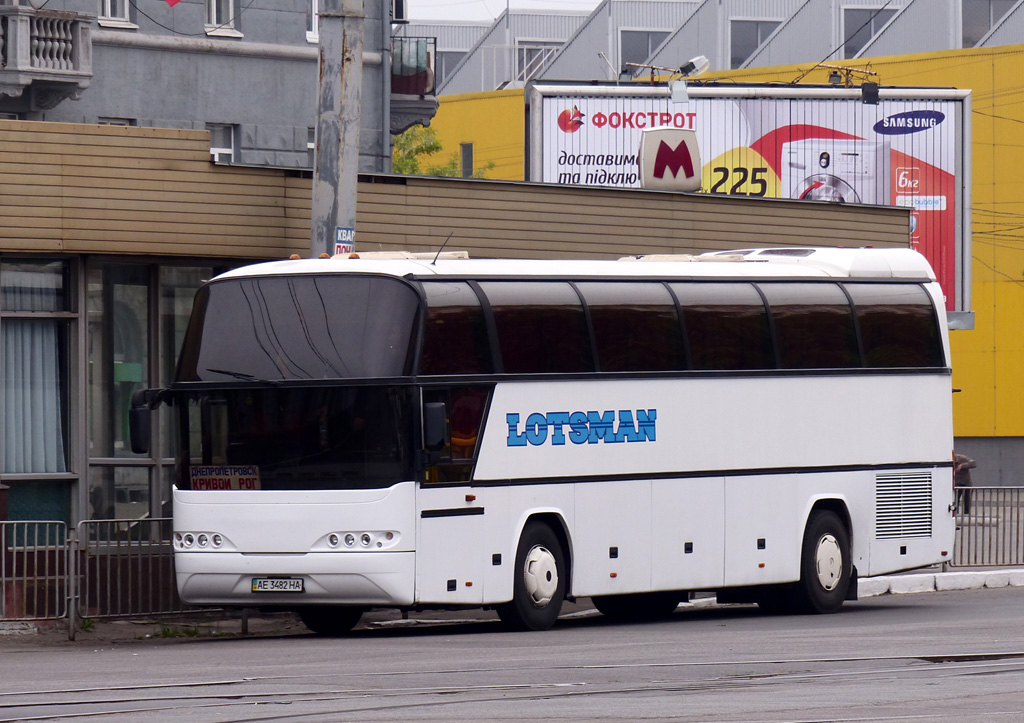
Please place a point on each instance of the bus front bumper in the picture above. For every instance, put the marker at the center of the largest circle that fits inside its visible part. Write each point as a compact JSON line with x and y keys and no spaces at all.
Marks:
{"x":348,"y":578}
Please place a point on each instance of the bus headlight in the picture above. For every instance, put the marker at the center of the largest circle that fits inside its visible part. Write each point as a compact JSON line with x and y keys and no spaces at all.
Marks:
{"x":358,"y":540}
{"x":185,"y":541}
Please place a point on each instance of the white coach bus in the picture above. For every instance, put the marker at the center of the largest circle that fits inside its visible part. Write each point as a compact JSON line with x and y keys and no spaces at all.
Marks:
{"x":441,"y":433}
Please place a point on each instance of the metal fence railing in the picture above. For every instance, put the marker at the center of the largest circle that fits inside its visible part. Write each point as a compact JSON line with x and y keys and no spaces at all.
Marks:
{"x":34,"y":570}
{"x":124,"y":568}
{"x":989,"y":527}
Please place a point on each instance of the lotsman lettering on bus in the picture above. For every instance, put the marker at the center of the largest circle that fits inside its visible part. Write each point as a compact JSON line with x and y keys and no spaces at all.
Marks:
{"x":584,"y":427}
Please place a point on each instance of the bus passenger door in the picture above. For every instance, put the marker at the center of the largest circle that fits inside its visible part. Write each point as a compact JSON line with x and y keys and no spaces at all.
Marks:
{"x":688,"y":522}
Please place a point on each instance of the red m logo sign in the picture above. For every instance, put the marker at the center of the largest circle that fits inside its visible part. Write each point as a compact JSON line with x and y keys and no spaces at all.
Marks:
{"x":672,"y":159}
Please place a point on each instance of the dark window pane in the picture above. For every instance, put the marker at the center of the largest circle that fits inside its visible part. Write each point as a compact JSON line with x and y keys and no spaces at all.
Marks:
{"x":455,"y":337}
{"x":897,"y":325}
{"x":303,"y":438}
{"x":746,"y":36}
{"x":813,"y":326}
{"x":541,"y":327}
{"x":636,"y":328}
{"x":465,"y":407}
{"x":636,"y":46}
{"x":860,"y":25}
{"x":300,"y":327}
{"x":726,"y":326}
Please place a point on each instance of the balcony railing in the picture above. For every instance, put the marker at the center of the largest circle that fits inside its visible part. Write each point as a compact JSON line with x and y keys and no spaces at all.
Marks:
{"x":412,"y":65}
{"x":48,"y":51}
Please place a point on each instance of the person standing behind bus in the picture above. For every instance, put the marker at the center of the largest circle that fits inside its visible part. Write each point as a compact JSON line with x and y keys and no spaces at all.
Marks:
{"x":962,"y":466}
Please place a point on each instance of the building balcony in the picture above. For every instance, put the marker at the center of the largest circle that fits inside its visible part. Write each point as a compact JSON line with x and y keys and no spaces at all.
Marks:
{"x":412,"y":82}
{"x":48,"y":52}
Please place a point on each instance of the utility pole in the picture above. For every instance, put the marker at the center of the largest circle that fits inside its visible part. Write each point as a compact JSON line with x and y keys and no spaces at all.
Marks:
{"x":337,"y":131}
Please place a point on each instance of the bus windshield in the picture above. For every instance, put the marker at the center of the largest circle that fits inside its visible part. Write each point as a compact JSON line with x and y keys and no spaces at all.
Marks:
{"x":299,"y":327}
{"x":296,"y":438}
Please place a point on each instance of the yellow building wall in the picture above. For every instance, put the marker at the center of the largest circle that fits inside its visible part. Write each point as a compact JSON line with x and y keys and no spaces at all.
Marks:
{"x":493,"y":122}
{"x":988,"y":361}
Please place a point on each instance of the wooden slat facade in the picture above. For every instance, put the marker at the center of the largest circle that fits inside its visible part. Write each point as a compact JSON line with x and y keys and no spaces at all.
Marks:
{"x":154,"y":192}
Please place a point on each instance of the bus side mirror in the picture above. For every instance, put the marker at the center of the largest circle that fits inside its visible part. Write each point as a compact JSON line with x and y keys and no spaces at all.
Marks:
{"x":140,"y":419}
{"x":435,"y":426}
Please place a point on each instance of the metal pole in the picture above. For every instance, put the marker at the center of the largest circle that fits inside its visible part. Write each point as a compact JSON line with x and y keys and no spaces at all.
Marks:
{"x":338,"y":120}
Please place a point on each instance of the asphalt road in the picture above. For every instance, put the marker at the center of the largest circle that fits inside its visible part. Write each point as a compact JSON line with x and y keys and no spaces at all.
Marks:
{"x":941,"y":656}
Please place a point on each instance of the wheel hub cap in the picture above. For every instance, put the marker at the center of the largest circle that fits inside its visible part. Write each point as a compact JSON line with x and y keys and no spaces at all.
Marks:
{"x":829,"y":562}
{"x":540,"y":575}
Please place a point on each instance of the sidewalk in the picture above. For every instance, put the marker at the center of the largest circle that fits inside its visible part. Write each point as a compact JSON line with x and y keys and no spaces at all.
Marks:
{"x":230,"y":624}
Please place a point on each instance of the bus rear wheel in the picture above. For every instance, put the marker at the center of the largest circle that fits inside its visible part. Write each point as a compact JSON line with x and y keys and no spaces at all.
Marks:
{"x":330,"y":620}
{"x":539,"y":585}
{"x":637,"y":606}
{"x":825,"y":565}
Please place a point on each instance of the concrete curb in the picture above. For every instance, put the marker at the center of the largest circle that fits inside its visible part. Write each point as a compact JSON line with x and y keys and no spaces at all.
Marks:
{"x":938,"y":582}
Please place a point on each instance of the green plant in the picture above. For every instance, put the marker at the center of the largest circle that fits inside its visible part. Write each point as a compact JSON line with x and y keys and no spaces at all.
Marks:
{"x":411,"y":146}
{"x":88,"y":625}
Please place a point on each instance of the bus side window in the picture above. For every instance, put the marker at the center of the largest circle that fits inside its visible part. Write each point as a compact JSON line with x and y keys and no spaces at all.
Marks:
{"x":898,"y":326}
{"x":726,"y":325}
{"x":466,"y":407}
{"x":636,"y":328}
{"x":541,"y":327}
{"x":813,"y":325}
{"x":455,"y":335}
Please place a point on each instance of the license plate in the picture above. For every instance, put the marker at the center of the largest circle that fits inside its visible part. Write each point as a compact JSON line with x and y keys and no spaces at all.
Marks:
{"x":277,"y":584}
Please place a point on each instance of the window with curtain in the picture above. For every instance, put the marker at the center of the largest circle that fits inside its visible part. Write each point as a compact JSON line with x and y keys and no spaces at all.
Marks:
{"x":34,"y":350}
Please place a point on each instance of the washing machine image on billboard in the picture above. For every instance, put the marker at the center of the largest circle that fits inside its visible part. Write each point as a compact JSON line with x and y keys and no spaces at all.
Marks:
{"x":837,"y":170}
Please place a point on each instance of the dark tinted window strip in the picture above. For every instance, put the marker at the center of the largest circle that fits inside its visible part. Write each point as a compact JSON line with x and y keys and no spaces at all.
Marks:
{"x":704,"y":474}
{"x":492,"y":328}
{"x":856,"y":323}
{"x":687,"y":356}
{"x":595,"y":358}
{"x":685,"y":374}
{"x":495,"y":344}
{"x":772,"y":334}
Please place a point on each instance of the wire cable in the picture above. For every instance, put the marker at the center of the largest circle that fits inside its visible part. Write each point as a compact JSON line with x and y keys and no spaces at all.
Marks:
{"x":228,"y":24}
{"x":840,"y":47}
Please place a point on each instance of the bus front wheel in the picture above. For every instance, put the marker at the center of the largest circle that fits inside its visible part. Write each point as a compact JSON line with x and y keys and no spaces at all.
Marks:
{"x":539,"y":585}
{"x":330,"y":620}
{"x":825,"y":565}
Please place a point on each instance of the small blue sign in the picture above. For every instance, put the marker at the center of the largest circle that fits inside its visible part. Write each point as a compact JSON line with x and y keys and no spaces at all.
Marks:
{"x":344,"y":240}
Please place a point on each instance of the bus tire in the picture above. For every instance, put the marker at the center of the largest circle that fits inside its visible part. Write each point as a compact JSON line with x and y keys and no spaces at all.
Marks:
{"x":637,"y":607}
{"x":825,"y":565}
{"x":330,"y":620}
{"x":539,"y":585}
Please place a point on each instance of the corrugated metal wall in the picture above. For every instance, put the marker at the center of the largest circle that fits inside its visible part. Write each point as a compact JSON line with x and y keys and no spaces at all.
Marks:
{"x":153,"y":192}
{"x":923,"y":25}
{"x":578,"y":59}
{"x":489,"y":62}
{"x":450,"y":36}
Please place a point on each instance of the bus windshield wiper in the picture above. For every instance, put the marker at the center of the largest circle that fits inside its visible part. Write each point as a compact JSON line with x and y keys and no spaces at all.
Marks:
{"x":243,"y":376}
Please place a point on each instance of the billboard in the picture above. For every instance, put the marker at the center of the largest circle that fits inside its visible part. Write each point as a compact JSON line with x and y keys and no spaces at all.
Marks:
{"x":814,"y":144}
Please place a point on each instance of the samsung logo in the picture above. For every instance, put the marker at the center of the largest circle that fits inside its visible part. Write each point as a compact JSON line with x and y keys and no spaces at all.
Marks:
{"x":582,"y":427}
{"x":909,"y":122}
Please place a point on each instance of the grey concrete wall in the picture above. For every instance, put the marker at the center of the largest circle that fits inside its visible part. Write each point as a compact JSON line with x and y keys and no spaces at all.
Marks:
{"x":169,"y":73}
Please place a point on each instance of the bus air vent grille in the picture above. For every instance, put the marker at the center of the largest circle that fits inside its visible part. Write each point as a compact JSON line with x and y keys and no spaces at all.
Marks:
{"x":903,"y":505}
